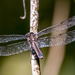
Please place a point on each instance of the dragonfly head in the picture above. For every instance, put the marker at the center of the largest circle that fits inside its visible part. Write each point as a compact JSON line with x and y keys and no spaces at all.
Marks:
{"x":29,"y":35}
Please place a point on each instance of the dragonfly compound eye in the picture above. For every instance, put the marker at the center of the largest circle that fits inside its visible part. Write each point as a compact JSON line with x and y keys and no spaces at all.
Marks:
{"x":27,"y":35}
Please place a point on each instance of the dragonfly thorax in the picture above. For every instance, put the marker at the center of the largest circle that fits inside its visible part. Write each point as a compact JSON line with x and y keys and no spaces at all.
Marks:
{"x":31,"y":37}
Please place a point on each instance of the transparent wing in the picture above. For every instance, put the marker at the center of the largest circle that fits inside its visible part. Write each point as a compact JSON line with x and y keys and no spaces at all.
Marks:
{"x":14,"y":48}
{"x":57,"y":40}
{"x":8,"y":38}
{"x":58,"y":27}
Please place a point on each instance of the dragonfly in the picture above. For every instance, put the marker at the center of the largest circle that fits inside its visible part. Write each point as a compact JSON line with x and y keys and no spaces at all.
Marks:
{"x":36,"y":41}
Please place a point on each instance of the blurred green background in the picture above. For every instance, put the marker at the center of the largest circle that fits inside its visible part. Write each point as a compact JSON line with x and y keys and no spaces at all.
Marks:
{"x":10,"y":23}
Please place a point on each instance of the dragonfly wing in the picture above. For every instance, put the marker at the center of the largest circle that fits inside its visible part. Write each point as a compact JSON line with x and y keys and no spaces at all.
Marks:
{"x":57,"y":40}
{"x":58,"y":27}
{"x":8,"y":38}
{"x":14,"y":48}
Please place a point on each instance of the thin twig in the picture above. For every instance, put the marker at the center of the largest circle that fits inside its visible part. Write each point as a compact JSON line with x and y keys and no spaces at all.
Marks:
{"x":24,"y":8}
{"x":34,"y":6}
